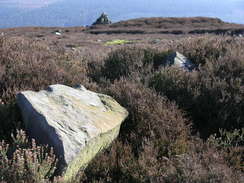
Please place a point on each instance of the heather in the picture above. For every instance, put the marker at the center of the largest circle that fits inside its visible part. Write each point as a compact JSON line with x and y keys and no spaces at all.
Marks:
{"x":182,"y":126}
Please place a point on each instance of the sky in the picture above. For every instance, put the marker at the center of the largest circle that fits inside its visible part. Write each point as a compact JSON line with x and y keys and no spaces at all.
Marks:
{"x":194,"y":3}
{"x":84,"y":12}
{"x":27,"y":3}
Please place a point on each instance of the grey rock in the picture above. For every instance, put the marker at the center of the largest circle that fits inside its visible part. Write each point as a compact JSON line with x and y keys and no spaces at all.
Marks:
{"x":76,"y":122}
{"x":179,"y":60}
{"x":156,"y":41}
{"x":58,"y":33}
{"x":102,"y":20}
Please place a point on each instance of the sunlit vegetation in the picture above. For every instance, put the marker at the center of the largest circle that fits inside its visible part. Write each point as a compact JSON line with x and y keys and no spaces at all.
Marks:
{"x":183,"y":127}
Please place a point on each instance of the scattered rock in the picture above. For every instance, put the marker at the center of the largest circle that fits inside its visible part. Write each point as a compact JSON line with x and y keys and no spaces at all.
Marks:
{"x":156,"y":41}
{"x":179,"y":60}
{"x":77,"y":122}
{"x":102,"y":20}
{"x":58,"y":33}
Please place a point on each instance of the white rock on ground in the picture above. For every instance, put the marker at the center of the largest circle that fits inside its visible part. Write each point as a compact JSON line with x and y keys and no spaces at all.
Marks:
{"x":179,"y":60}
{"x":77,"y":122}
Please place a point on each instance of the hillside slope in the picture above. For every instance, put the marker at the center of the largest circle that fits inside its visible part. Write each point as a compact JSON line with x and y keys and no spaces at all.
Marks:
{"x":173,"y":25}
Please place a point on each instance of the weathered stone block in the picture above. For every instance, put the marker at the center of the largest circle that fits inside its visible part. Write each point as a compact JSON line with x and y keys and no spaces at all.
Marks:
{"x":77,"y":122}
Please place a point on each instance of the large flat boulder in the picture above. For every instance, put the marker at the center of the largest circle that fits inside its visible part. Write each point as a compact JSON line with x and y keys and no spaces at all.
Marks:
{"x":77,"y":122}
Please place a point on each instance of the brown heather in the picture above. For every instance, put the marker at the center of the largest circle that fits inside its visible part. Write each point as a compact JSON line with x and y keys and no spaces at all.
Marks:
{"x":25,"y":162}
{"x":182,"y":127}
{"x":213,"y":95}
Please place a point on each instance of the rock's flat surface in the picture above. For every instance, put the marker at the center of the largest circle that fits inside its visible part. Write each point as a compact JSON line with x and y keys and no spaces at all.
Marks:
{"x":78,"y":123}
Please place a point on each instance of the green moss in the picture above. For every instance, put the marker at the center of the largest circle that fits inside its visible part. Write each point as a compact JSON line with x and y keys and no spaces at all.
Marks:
{"x":117,"y":42}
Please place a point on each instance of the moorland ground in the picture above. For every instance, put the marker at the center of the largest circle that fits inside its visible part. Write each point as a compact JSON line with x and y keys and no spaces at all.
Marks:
{"x":183,"y":126}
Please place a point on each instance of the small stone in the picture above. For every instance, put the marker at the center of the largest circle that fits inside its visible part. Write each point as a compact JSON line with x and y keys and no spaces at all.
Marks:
{"x":179,"y":60}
